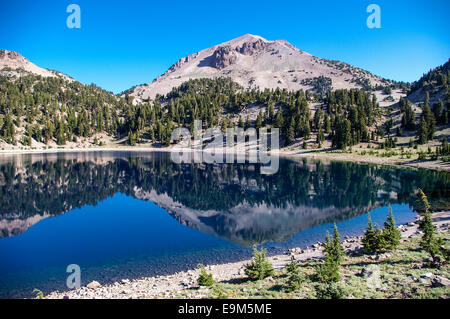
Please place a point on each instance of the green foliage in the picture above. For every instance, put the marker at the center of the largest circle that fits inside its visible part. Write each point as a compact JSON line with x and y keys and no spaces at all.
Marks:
{"x":388,"y":125}
{"x":132,"y":138}
{"x":320,"y":137}
{"x":39,"y":293}
{"x":375,"y":239}
{"x":321,"y":84}
{"x":204,"y":278}
{"x":260,"y":267}
{"x":387,"y":90}
{"x":431,"y":242}
{"x":427,"y":125}
{"x":336,"y":250}
{"x":444,"y":149}
{"x":441,"y":114}
{"x":56,"y":109}
{"x":328,"y":271}
{"x":435,"y":79}
{"x":60,"y":110}
{"x":388,"y":143}
{"x":342,"y":136}
{"x":391,"y":234}
{"x":294,"y":276}
{"x":305,"y":145}
{"x":334,"y":254}
{"x":330,"y":290}
{"x":408,"y":117}
{"x":422,"y":206}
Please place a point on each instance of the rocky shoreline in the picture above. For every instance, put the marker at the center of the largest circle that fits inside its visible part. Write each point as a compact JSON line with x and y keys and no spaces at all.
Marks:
{"x":321,"y":154}
{"x":168,"y":286}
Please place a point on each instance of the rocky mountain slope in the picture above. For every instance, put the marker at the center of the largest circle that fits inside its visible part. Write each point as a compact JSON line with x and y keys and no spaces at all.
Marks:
{"x":436,"y":82}
{"x":253,"y":61}
{"x":13,"y":63}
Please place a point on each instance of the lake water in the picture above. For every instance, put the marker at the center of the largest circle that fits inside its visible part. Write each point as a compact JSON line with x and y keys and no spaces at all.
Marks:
{"x":128,"y":214}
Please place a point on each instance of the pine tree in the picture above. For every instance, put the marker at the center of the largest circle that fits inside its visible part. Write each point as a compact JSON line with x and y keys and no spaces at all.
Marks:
{"x":328,"y":271}
{"x":204,"y":278}
{"x":342,"y":136}
{"x":438,"y":111}
{"x":422,"y":206}
{"x":427,"y":124}
{"x":320,"y":137}
{"x":260,"y":267}
{"x":279,"y":119}
{"x":290,"y":136}
{"x":334,"y":253}
{"x":431,"y":242}
{"x":259,"y":121}
{"x":338,"y":251}
{"x":247,"y":123}
{"x":240,"y":122}
{"x":373,"y":238}
{"x":327,"y":124}
{"x":391,"y":234}
{"x":294,"y":276}
{"x":270,"y":112}
{"x":422,"y":131}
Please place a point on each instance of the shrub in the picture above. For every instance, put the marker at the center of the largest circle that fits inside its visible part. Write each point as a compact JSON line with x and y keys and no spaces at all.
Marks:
{"x":219,"y":292}
{"x":260,"y":267}
{"x":422,"y":156}
{"x":330,"y":291}
{"x":328,"y":271}
{"x":204,"y":278}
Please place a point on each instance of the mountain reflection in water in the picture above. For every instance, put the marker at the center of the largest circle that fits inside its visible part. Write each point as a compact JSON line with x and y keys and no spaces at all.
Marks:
{"x":232,"y":201}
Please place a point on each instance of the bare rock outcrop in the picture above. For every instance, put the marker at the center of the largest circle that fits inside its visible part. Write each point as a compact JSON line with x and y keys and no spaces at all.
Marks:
{"x":251,"y":48}
{"x":223,"y":57}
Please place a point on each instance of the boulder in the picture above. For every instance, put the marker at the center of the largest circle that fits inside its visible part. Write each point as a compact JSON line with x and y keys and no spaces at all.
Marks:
{"x":439,"y":281}
{"x":93,"y":284}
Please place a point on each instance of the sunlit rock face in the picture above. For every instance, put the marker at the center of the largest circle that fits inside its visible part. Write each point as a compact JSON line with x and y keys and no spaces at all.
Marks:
{"x":253,"y":61}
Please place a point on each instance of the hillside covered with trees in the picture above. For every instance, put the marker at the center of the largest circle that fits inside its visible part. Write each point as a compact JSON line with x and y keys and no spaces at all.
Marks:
{"x":54,"y":109}
{"x":41,"y":111}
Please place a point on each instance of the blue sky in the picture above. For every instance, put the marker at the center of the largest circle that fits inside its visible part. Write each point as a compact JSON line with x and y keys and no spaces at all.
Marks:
{"x":124,"y":43}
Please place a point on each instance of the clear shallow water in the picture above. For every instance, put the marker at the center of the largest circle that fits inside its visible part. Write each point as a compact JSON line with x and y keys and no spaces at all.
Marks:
{"x":127,"y":215}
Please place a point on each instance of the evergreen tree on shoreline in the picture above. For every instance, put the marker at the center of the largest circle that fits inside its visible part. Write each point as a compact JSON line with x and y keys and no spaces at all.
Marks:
{"x":431,"y":242}
{"x":391,"y":234}
{"x":334,"y":254}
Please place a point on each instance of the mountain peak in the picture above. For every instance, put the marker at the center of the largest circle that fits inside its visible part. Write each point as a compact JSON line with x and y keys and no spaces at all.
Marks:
{"x":14,"y":63}
{"x":6,"y":55}
{"x":253,"y":61}
{"x":246,"y":38}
